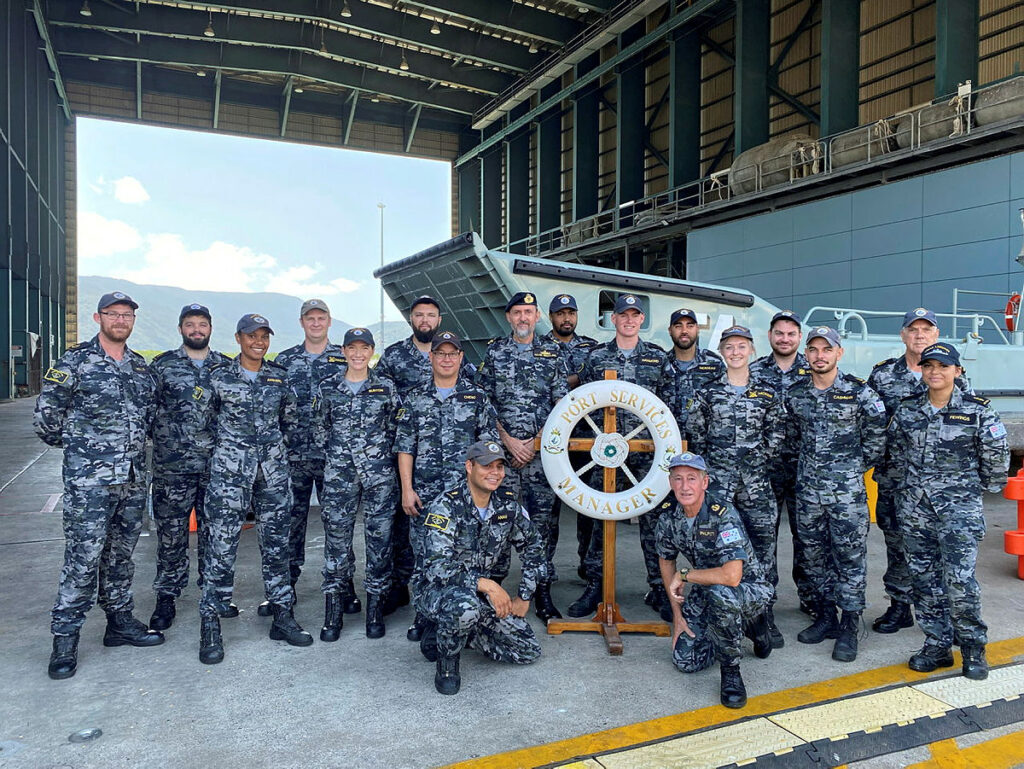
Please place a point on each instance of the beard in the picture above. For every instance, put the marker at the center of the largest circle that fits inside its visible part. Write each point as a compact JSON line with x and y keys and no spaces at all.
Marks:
{"x":684,"y":344}
{"x":523,"y":332}
{"x":424,"y":336}
{"x":195,"y":344}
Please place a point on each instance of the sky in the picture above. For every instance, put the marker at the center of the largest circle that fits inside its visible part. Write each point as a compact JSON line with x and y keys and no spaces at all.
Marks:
{"x":222,"y":213}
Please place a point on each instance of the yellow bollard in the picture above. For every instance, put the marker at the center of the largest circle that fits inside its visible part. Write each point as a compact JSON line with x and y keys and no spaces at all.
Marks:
{"x":872,"y":489}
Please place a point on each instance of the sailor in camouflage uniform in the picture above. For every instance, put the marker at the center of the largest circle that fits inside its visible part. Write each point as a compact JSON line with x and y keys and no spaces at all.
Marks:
{"x":97,"y":404}
{"x":729,"y":591}
{"x":946,"y":448}
{"x":691,"y":364}
{"x":894,"y":379}
{"x":645,"y":364}
{"x":780,"y":370}
{"x":407,"y":365}
{"x":253,"y":411}
{"x":524,"y":376}
{"x":563,"y":313}
{"x":468,"y":528}
{"x":837,"y":427}
{"x":738,"y":425}
{"x":181,"y":452}
{"x":359,"y":410}
{"x":438,"y":421}
{"x":308,"y":364}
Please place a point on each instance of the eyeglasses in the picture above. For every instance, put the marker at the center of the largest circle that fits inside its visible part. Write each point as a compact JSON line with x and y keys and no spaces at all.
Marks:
{"x":448,"y":355}
{"x":119,"y":315}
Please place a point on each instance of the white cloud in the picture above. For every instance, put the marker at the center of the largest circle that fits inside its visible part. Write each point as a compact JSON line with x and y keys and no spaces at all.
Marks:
{"x":99,"y":236}
{"x":129,"y":190}
{"x":300,"y":281}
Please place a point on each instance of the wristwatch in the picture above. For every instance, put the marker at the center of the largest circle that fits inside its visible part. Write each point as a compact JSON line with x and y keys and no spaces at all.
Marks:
{"x":683,"y":572}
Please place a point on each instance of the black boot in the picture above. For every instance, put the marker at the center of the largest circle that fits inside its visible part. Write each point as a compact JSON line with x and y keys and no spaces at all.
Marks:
{"x":845,"y":649}
{"x":931,"y":657}
{"x":428,"y":643}
{"x":123,"y":628}
{"x":657,"y":599}
{"x":975,"y":665}
{"x":163,"y":613}
{"x":333,"y":618}
{"x":398,"y":596}
{"x":734,"y":693}
{"x":265,"y":609}
{"x":374,"y":616}
{"x":896,"y":617}
{"x":543,"y":605}
{"x":826,"y":625}
{"x":447,"y":679}
{"x":415,"y":631}
{"x":64,"y":657}
{"x":809,"y":609}
{"x":285,"y":628}
{"x":757,"y":631}
{"x":227,"y":610}
{"x":211,"y":645}
{"x":778,"y":641}
{"x":350,"y":601}
{"x":586,"y":603}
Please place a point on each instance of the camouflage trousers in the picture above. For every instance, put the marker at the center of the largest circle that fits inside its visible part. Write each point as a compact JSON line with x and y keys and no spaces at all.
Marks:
{"x":465,"y":619}
{"x":305,"y":474}
{"x":101,"y":528}
{"x":341,"y":499}
{"x":228,"y":499}
{"x":834,"y":527}
{"x":782,"y":478}
{"x":174,"y":497}
{"x":942,"y":551}
{"x":403,"y":561}
{"x":536,"y":495}
{"x":717,"y":615}
{"x":753,"y":499}
{"x":897,"y":573}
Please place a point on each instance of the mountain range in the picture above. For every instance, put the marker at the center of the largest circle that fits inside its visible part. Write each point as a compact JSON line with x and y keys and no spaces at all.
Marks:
{"x":156,"y":323}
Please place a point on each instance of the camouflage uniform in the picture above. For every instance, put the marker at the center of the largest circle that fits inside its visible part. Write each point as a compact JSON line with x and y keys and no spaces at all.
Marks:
{"x":893,"y":380}
{"x":523,"y":386}
{"x":782,"y":470}
{"x":716,"y":614}
{"x":437,"y":433}
{"x":406,"y":367}
{"x":838,"y":434}
{"x":648,"y":366}
{"x":99,"y":411}
{"x":306,"y":439}
{"x":461,"y":548}
{"x":249,"y":469}
{"x":181,"y":453}
{"x":360,"y":472}
{"x":944,"y":461}
{"x":739,"y":435}
{"x":574,"y":352}
{"x":706,"y":366}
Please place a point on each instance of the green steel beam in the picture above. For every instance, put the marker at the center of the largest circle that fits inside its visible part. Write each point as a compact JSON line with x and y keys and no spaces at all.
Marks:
{"x":517,"y":183}
{"x":412,"y":129}
{"x":840,"y":65}
{"x":51,"y":57}
{"x":549,"y":165}
{"x":353,"y":98}
{"x":6,"y":367}
{"x":216,"y":98}
{"x":286,"y":103}
{"x":490,"y":196}
{"x":956,"y":44}
{"x":514,"y":18}
{"x":630,"y":129}
{"x":750,"y":74}
{"x":585,"y":138}
{"x":802,"y":26}
{"x":698,"y":9}
{"x":469,"y":197}
{"x":684,"y":108}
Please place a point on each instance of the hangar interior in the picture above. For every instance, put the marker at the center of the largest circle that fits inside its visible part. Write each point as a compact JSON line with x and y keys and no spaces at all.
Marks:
{"x":809,"y":150}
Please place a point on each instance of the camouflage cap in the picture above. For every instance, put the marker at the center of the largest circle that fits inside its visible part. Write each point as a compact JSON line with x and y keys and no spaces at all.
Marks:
{"x":484,"y":452}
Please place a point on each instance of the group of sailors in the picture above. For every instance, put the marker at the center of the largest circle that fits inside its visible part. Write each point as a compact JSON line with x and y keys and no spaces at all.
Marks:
{"x":441,"y":458}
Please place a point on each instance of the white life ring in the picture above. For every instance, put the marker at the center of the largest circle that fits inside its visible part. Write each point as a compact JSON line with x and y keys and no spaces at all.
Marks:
{"x":610,"y":449}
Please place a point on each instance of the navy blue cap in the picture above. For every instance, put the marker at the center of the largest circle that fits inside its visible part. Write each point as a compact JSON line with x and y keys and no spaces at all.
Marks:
{"x":920,"y":314}
{"x":943,"y":353}
{"x":252,"y":321}
{"x":358,"y":335}
{"x":425,"y":299}
{"x":688,"y":459}
{"x":784,"y":315}
{"x":115,"y":297}
{"x":445,"y":337}
{"x":742,"y":331}
{"x":523,"y":297}
{"x":194,"y":309}
{"x":830,"y":335}
{"x":563,"y":302}
{"x":681,"y":313}
{"x":484,"y":452}
{"x":628,"y":302}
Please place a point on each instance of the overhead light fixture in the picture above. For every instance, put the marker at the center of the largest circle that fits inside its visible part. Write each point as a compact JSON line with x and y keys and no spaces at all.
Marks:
{"x":208,"y":32}
{"x":201,"y":73}
{"x":346,"y":12}
{"x":94,"y":58}
{"x":374,"y":98}
{"x":86,"y":10}
{"x":404,"y":66}
{"x":435,"y":28}
{"x":323,"y":47}
{"x":533,"y":48}
{"x":583,"y":9}
{"x":298,"y":89}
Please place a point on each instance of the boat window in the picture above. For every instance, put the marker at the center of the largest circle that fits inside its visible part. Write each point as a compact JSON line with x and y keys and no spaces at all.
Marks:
{"x":606,"y":303}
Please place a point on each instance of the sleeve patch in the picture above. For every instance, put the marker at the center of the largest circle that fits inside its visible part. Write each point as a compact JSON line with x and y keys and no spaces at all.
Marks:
{"x":729,"y":536}
{"x":55,"y":375}
{"x":437,"y":521}
{"x":401,"y":415}
{"x":997,"y":430}
{"x":197,"y":393}
{"x":878,"y":406}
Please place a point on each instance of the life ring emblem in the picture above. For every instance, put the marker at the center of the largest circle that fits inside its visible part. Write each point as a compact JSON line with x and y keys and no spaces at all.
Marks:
{"x":610,"y":450}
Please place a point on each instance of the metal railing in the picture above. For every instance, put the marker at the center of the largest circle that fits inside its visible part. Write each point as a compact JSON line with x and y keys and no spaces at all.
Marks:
{"x":842,"y":315}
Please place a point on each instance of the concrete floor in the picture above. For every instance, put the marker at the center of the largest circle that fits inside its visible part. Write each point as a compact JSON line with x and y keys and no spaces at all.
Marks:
{"x":356,"y":703}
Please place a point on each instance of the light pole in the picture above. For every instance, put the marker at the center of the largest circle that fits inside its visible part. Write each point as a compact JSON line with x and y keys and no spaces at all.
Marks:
{"x":381,"y":340}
